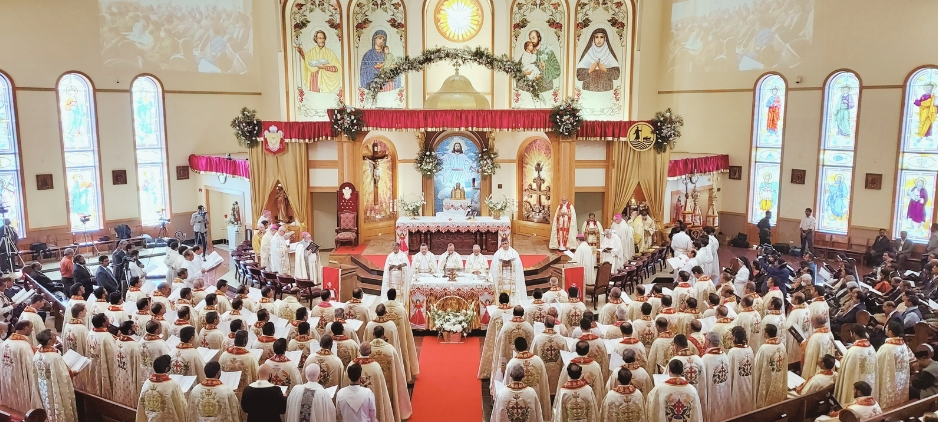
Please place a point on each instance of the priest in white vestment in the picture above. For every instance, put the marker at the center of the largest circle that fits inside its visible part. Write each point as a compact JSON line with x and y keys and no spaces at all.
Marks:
{"x":624,"y":402}
{"x":186,"y":359}
{"x":751,"y":321}
{"x":863,"y":406}
{"x":492,"y":334}
{"x":616,"y":306}
{"x":398,"y":312}
{"x":238,"y":358}
{"x":331,"y":370}
{"x":858,"y":364}
{"x":310,"y":401}
{"x":424,"y":262}
{"x":592,"y":230}
{"x":610,"y":250}
{"x":507,"y":273}
{"x":770,"y":370}
{"x":125,"y":370}
{"x":800,"y":318}
{"x":306,"y":262}
{"x":585,"y":255}
{"x":150,"y":347}
{"x":265,"y":247}
{"x":548,"y":345}
{"x":693,"y":365}
{"x":212,"y":401}
{"x":18,"y":381}
{"x":512,"y":329}
{"x":75,"y":337}
{"x":649,"y":226}
{"x":563,"y":228}
{"x":681,"y":243}
{"x":387,"y":324}
{"x":590,"y":369}
{"x":161,"y":399}
{"x":476,"y":263}
{"x":54,"y":379}
{"x":575,"y":400}
{"x":674,"y":399}
{"x":661,"y":348}
{"x":535,"y":374}
{"x":31,"y":314}
{"x":276,"y":246}
{"x":638,"y":231}
{"x":393,"y":368}
{"x":704,"y":254}
{"x":718,"y":391}
{"x":741,"y":360}
{"x":893,"y":360}
{"x":373,"y":378}
{"x":284,"y":372}
{"x":820,"y":342}
{"x":624,"y":231}
{"x":824,"y":377}
{"x":449,"y":260}
{"x":397,"y":272}
{"x":517,"y":401}
{"x":101,"y":350}
{"x":714,"y":246}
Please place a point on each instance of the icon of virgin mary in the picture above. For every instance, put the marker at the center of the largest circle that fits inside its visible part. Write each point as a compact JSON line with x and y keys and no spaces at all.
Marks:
{"x":598,"y":67}
{"x":376,"y":59}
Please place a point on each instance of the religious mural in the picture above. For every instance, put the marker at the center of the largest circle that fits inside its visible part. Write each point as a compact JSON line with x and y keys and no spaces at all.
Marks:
{"x":537,"y":39}
{"x":149,"y":141}
{"x":316,"y":58}
{"x":377,"y":187}
{"x":918,"y":161}
{"x":80,"y":145}
{"x":602,"y":33}
{"x":767,"y":137}
{"x":459,"y":184}
{"x":379,"y":38}
{"x":837,"y":152}
{"x":536,"y":174}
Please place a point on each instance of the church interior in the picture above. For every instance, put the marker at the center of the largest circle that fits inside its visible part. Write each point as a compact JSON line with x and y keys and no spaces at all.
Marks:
{"x":464,"y":210}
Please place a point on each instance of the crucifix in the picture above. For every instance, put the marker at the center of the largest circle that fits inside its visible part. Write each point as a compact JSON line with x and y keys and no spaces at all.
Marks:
{"x":539,"y":211}
{"x":377,"y":155}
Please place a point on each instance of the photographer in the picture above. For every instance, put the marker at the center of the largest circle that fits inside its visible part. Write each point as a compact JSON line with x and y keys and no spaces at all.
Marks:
{"x":199,"y":221}
{"x":119,"y":261}
{"x":134,"y":265}
{"x":8,"y":237}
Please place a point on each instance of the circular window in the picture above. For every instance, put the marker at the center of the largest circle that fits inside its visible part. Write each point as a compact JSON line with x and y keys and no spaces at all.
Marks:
{"x":458,"y":20}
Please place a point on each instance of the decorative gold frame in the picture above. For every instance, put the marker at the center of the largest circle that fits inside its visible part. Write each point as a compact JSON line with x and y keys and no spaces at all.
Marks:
{"x":476,"y":31}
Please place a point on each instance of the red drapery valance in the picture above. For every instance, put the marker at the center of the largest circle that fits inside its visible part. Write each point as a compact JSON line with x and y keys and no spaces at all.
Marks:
{"x":219,"y":165}
{"x":537,"y":120}
{"x":707,"y":164}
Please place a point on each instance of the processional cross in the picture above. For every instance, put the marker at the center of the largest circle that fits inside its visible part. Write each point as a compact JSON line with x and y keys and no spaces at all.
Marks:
{"x":539,"y":211}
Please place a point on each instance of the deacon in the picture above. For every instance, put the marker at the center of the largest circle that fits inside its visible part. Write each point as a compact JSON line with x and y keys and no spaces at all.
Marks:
{"x":674,"y":398}
{"x":610,"y":248}
{"x":575,"y":401}
{"x":424,"y":262}
{"x":770,"y":370}
{"x":681,"y":242}
{"x":373,"y":378}
{"x":535,"y":374}
{"x":101,"y":350}
{"x":356,"y":403}
{"x":186,"y":360}
{"x":819,"y":343}
{"x":331,"y":371}
{"x":893,"y":360}
{"x":261,"y":400}
{"x":161,"y":399}
{"x":450,"y":260}
{"x":507,"y":273}
{"x":393,"y":368}
{"x":398,"y":313}
{"x":307,"y":264}
{"x":491,"y":337}
{"x":741,"y":360}
{"x":518,"y":402}
{"x":858,"y":364}
{"x":125,"y":370}
{"x":624,"y":402}
{"x":591,"y":372}
{"x":624,"y":231}
{"x":310,"y":401}
{"x":476,"y":263}
{"x":717,"y":390}
{"x":151,"y":346}
{"x":75,"y":337}
{"x":238,"y":358}
{"x":514,"y":328}
{"x":548,"y":345}
{"x":562,"y":231}
{"x":18,"y":381}
{"x":396,"y":271}
{"x":212,"y":401}
{"x":823,"y":378}
{"x":55,"y":385}
{"x":585,"y":255}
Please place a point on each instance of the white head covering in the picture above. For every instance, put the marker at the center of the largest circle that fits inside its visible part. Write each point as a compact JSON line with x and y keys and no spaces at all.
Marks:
{"x":595,"y":54}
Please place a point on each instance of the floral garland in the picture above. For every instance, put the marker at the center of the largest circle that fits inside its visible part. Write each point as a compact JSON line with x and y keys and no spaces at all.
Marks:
{"x":478,"y":55}
{"x":566,"y":117}
{"x":347,"y":120}
{"x":427,"y":163}
{"x":667,"y":129}
{"x":487,"y":164}
{"x":247,"y":128}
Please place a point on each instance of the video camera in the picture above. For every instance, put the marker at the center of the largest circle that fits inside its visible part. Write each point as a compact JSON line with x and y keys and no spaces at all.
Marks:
{"x":84,"y":218}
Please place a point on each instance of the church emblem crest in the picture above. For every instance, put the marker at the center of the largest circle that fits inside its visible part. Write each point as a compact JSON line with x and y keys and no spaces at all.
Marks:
{"x":273,"y":140}
{"x":679,"y":407}
{"x":745,"y":367}
{"x":517,"y":410}
{"x":324,"y":375}
{"x":531,"y":377}
{"x":550,"y":353}
{"x":641,"y":136}
{"x":577,"y":409}
{"x":208,"y":407}
{"x":287,"y":313}
{"x":153,"y":401}
{"x":720,"y":373}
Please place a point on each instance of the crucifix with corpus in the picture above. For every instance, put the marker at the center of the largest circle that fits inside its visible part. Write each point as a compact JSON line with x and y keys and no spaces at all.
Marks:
{"x":374,"y":160}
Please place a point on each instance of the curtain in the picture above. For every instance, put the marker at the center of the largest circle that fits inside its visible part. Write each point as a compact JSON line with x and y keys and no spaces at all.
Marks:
{"x":219,"y":165}
{"x":700,"y":165}
{"x":290,"y":169}
{"x":631,"y":168}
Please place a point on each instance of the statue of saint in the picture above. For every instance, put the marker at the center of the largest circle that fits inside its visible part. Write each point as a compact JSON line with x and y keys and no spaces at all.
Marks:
{"x":236,"y":213}
{"x":283,"y":206}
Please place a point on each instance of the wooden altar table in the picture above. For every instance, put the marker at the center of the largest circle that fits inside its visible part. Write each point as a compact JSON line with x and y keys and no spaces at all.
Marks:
{"x":427,"y":290}
{"x":439,"y":231}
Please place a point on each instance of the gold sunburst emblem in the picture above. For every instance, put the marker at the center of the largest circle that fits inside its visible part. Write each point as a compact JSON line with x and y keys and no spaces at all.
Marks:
{"x":641,"y":136}
{"x":458,"y":20}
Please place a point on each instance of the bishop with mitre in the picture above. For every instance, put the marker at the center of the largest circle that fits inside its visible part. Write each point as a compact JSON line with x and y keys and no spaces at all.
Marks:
{"x":306,"y":259}
{"x":450,"y":260}
{"x":508,"y":273}
{"x":563,"y":229}
{"x":54,"y":379}
{"x":18,"y":382}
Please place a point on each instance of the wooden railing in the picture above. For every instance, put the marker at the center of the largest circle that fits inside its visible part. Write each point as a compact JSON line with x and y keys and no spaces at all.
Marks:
{"x":92,"y":408}
{"x":792,"y":410}
{"x":913,"y":409}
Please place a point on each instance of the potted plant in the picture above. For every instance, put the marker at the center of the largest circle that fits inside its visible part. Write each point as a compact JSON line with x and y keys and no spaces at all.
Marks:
{"x":411,"y":208}
{"x":499,"y":206}
{"x":452,"y":326}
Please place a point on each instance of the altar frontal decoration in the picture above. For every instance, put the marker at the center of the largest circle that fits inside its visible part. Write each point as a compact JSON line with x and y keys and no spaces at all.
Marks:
{"x":247,"y":127}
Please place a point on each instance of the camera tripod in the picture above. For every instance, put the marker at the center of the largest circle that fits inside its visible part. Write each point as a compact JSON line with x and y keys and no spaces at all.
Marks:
{"x":162,"y":233}
{"x":9,"y":250}
{"x":84,"y":239}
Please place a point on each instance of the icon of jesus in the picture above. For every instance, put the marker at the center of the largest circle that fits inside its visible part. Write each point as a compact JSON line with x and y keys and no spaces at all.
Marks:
{"x":457,"y":168}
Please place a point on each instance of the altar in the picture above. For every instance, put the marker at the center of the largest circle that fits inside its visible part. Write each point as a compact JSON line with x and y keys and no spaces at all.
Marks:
{"x":437,"y":232}
{"x":468,"y":293}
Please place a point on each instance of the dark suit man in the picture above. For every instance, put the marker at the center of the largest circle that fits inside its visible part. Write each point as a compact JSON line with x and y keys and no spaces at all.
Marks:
{"x":104,"y":277}
{"x":903,"y":250}
{"x":83,"y":276}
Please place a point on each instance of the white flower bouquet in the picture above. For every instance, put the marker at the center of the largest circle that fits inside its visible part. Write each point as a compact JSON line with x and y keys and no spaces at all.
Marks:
{"x":500,"y":206}
{"x":411,"y":208}
{"x":427,"y":162}
{"x":668,"y":126}
{"x":451,"y":321}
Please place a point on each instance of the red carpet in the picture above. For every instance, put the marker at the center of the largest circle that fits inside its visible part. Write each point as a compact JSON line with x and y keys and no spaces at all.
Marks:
{"x":526,"y":260}
{"x":349,"y":250}
{"x":447,"y":388}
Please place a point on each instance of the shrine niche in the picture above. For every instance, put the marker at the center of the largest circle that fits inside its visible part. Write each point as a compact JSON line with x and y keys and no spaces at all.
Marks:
{"x":281,"y":210}
{"x":535,"y":174}
{"x":377,"y":187}
{"x":458,"y":187}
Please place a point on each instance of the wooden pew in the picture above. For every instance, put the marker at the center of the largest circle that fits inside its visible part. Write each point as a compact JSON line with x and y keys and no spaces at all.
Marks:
{"x":909,"y":410}
{"x":58,"y":308}
{"x":792,"y":410}
{"x":92,"y":408}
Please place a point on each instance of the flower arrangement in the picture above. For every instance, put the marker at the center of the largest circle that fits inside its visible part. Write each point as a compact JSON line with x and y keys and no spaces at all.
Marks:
{"x":499,"y":206}
{"x":451,"y":321}
{"x":479,"y":56}
{"x":667,"y":129}
{"x":229,"y":220}
{"x":566,"y":117}
{"x":427,"y":163}
{"x":247,"y":128}
{"x":347,"y":120}
{"x":487,"y":164}
{"x":411,"y":208}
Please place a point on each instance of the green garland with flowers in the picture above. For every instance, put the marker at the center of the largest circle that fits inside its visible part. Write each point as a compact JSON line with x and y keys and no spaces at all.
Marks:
{"x":247,"y":128}
{"x":566,"y":117}
{"x":667,"y":126}
{"x":427,"y":163}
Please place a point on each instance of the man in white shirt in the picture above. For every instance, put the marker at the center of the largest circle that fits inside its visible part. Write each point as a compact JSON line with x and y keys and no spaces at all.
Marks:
{"x":807,"y":226}
{"x":681,"y":243}
{"x":354,"y":402}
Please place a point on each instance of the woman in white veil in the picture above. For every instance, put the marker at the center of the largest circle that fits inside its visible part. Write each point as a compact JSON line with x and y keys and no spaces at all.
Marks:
{"x":598,"y":67}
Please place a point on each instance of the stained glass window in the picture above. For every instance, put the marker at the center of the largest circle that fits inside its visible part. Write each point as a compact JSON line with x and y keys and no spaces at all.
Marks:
{"x":77,"y":117}
{"x":150,"y":143}
{"x":915,"y":188}
{"x":767,"y":136}
{"x":11,"y":188}
{"x":838,"y":144}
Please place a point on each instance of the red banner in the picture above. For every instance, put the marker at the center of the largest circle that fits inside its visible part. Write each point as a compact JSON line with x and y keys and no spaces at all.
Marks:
{"x":712,"y":163}
{"x":330,"y":281}
{"x":272,"y":139}
{"x":219,"y":165}
{"x":573,"y":277}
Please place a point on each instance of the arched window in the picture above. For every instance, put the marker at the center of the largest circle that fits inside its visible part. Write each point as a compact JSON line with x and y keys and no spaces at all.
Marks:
{"x":918,"y":161}
{"x":11,"y":188}
{"x":838,"y":143}
{"x":768,"y":128}
{"x":150,"y":145}
{"x":78,"y":120}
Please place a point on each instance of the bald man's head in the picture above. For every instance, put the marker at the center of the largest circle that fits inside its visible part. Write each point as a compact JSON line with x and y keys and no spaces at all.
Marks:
{"x":312,"y":373}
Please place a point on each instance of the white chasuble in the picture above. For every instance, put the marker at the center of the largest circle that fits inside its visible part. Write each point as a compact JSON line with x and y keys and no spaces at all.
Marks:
{"x":863,"y":407}
{"x":694,"y":372}
{"x":239,"y":359}
{"x":187,"y":361}
{"x":491,"y":337}
{"x":151,"y":346}
{"x":575,"y":402}
{"x":331,"y":370}
{"x":505,"y":344}
{"x":535,"y":377}
{"x":477,"y":264}
{"x":393,"y":369}
{"x":507,"y":273}
{"x":517,"y":403}
{"x":548,"y":345}
{"x":741,"y":363}
{"x":125,"y":371}
{"x":770,"y":374}
{"x":449,"y":261}
{"x":30,"y":314}
{"x":858,"y":364}
{"x":750,"y":320}
{"x":571,"y":313}
{"x":397,"y":275}
{"x":624,"y":231}
{"x":648,"y":224}
{"x":306,"y":263}
{"x":309,"y":402}
{"x":610,"y":249}
{"x":424,"y":263}
{"x":674,"y":400}
{"x":373,"y":379}
{"x":821,"y":380}
{"x":718,"y":392}
{"x":592,"y":375}
{"x":818,"y":344}
{"x":212,"y":401}
{"x":562,"y":230}
{"x":265,"y":249}
{"x":75,"y":337}
{"x":161,"y":400}
{"x":798,"y":317}
{"x":18,"y":376}
{"x":585,"y":255}
{"x":55,"y":386}
{"x":892,"y":373}
{"x":405,"y":334}
{"x":276,"y":243}
{"x":607,"y":314}
{"x":284,"y":372}
{"x":623,"y":403}
{"x":390,"y":332}
{"x":102,"y":351}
